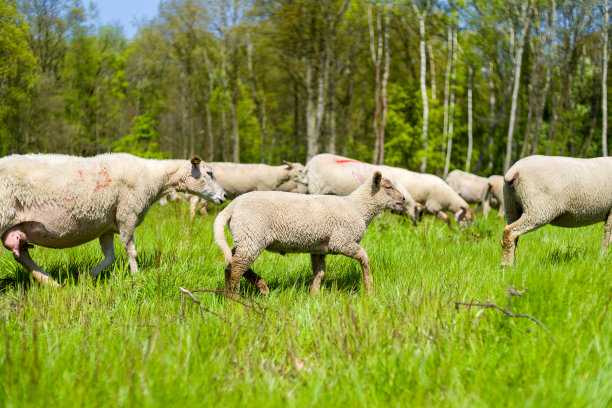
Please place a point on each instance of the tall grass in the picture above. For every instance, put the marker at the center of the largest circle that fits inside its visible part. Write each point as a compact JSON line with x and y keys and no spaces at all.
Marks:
{"x":120,"y":341}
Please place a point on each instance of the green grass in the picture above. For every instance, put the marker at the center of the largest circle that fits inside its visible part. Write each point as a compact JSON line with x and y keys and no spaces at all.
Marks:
{"x":118,"y":341}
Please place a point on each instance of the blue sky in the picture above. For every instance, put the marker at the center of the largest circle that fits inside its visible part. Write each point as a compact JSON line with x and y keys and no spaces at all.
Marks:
{"x":125,"y":12}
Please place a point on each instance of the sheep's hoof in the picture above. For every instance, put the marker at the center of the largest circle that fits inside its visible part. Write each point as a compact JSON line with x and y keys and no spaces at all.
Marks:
{"x":263,"y":288}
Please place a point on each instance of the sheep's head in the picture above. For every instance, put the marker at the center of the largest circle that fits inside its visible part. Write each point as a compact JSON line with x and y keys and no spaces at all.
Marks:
{"x":297,"y":172}
{"x":414,"y":210}
{"x":200,"y":181}
{"x":464,"y":217}
{"x":384,"y":188}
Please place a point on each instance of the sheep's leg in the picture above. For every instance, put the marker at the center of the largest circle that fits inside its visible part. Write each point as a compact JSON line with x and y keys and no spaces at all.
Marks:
{"x":257,"y":281}
{"x":106,"y":243}
{"x":15,"y":240}
{"x":607,"y":231}
{"x":441,"y":216}
{"x":318,"y":270}
{"x":355,"y":251}
{"x":193,"y":206}
{"x":239,"y":265}
{"x":126,"y":232}
{"x":512,"y":233}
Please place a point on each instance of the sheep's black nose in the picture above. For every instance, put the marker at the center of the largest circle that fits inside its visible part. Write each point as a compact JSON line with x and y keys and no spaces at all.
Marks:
{"x":224,"y":197}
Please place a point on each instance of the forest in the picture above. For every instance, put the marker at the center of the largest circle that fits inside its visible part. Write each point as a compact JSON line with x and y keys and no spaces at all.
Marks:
{"x":426,"y":85}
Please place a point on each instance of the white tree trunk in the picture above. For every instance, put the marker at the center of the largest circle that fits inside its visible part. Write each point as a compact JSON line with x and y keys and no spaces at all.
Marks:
{"x":421,"y":18}
{"x":604,"y":84}
{"x":385,"y":81}
{"x":446,"y":88}
{"x":449,"y":148}
{"x":517,"y":74}
{"x":432,"y":70}
{"x":468,"y":160}
{"x":311,"y":118}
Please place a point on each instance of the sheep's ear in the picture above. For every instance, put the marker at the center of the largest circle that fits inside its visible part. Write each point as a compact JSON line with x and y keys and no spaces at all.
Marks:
{"x":288,"y":164}
{"x":376,"y":178}
{"x":195,"y":160}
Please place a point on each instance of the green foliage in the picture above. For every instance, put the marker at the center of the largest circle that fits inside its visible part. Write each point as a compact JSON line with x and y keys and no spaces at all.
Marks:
{"x":122,"y":340}
{"x":143,"y":139}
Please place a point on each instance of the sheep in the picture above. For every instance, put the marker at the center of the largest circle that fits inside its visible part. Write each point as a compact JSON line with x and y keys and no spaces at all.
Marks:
{"x":493,"y":196}
{"x":561,"y":191}
{"x":337,"y":175}
{"x":331,"y":174}
{"x":287,"y":222}
{"x":469,"y":186}
{"x":436,"y":196}
{"x":237,"y":179}
{"x":60,"y":201}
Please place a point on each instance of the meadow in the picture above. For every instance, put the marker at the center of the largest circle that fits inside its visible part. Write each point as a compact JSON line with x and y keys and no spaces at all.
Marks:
{"x":124,"y":340}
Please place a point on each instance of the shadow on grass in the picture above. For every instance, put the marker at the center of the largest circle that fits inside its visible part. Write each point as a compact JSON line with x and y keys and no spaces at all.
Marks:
{"x":565,"y":255}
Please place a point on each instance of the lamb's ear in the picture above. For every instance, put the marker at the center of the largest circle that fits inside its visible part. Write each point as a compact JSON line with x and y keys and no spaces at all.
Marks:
{"x":376,"y":178}
{"x":288,"y":164}
{"x":195,"y":160}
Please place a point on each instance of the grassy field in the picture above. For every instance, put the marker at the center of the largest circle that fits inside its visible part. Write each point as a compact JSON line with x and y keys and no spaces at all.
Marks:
{"x":121,"y":341}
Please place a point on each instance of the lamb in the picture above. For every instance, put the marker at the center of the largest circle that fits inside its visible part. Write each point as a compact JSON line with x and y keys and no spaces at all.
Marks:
{"x":561,"y":191}
{"x":469,"y":186}
{"x":60,"y":201}
{"x":493,"y":196}
{"x":436,"y":196}
{"x":337,"y":175}
{"x":316,"y":224}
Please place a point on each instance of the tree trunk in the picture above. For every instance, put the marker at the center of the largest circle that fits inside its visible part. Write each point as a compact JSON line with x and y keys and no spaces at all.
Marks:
{"x":259,"y":106}
{"x":517,"y":74}
{"x":604,"y":85}
{"x":385,"y":81}
{"x":446,"y":88}
{"x":376,"y":59}
{"x":532,"y":88}
{"x":421,"y":18}
{"x":184,"y":115}
{"x":468,"y":160}
{"x":311,"y":112}
{"x":449,"y":148}
{"x":432,"y":70}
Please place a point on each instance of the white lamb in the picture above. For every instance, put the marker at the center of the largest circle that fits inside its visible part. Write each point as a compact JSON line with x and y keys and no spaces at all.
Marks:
{"x":60,"y":201}
{"x":469,"y":186}
{"x":286,"y":222}
{"x":561,"y":191}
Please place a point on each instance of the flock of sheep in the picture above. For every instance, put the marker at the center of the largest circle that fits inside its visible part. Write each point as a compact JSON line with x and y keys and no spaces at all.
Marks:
{"x":60,"y":201}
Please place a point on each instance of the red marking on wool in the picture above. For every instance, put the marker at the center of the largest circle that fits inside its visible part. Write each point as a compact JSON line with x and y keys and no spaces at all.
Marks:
{"x":68,"y":199}
{"x":491,"y":189}
{"x":347,"y":161}
{"x":80,"y":174}
{"x":107,"y":179}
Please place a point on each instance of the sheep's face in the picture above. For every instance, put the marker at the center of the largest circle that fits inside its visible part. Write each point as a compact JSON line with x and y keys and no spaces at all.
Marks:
{"x":384,"y":188}
{"x":464,"y":217}
{"x":415,"y":211}
{"x":297,"y":172}
{"x":201,"y":181}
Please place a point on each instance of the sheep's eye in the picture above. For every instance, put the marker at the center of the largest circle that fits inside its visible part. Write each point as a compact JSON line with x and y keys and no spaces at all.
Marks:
{"x":210,"y":173}
{"x":388,"y":187}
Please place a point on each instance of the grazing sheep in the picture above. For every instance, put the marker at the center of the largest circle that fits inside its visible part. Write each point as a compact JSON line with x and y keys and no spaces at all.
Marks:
{"x":469,"y":186}
{"x":493,"y":196}
{"x":238,"y":178}
{"x":437,"y":196}
{"x":561,"y":191}
{"x":337,"y":175}
{"x":59,"y":201}
{"x":285,"y":222}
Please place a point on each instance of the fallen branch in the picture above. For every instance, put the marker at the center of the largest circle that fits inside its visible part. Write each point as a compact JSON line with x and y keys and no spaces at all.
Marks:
{"x":249,"y":304}
{"x":508,"y":311}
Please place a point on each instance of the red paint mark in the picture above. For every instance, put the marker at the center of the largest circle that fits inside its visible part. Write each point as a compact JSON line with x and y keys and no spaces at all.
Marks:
{"x":491,"y":189}
{"x":80,"y":174}
{"x":347,"y":161}
{"x":68,"y":199}
{"x":360,"y":177}
{"x":514,"y":181}
{"x":107,"y":179}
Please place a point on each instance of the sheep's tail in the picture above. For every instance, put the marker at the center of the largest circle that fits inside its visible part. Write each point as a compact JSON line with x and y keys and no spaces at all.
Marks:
{"x":512,"y":203}
{"x":219,"y":229}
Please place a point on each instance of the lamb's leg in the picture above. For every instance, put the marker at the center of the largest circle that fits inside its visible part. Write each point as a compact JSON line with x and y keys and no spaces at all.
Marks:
{"x":15,"y":240}
{"x":318,"y":270}
{"x":106,"y":243}
{"x":512,"y":233}
{"x":355,"y":251}
{"x":239,"y":265}
{"x":607,"y":231}
{"x":126,"y":232}
{"x":441,"y":216}
{"x":257,"y":280}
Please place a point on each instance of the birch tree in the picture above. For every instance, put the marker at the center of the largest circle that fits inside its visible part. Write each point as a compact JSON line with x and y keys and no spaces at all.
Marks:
{"x":449,"y":148}
{"x":604,"y":83}
{"x":421,"y":18}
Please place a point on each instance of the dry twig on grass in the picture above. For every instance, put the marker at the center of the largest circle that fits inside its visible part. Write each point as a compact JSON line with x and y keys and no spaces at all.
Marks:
{"x":508,"y":311}
{"x":249,"y":304}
